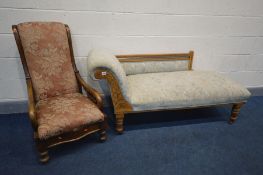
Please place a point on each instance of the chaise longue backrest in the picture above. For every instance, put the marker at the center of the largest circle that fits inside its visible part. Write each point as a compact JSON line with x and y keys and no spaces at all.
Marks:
{"x":152,"y":63}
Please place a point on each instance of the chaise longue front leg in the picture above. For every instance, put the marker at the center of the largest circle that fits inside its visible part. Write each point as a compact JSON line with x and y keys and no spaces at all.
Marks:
{"x":119,"y":123}
{"x":235,"y":111}
{"x":120,"y":104}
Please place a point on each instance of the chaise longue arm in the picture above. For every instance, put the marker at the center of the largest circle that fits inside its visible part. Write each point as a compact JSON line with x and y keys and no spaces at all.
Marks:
{"x":104,"y":60}
{"x":119,"y":101}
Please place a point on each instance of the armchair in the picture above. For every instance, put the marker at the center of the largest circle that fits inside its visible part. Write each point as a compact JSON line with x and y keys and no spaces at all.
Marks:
{"x":58,"y":111}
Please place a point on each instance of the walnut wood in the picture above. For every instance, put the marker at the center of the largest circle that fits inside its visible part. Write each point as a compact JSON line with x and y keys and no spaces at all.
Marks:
{"x":157,"y":57}
{"x":185,"y":108}
{"x":72,"y":55}
{"x":77,"y":133}
{"x":31,"y":105}
{"x":138,"y":59}
{"x":119,"y":102}
{"x":121,"y":105}
{"x":235,"y":111}
{"x":43,"y":153}
{"x":119,"y":123}
{"x":21,"y":51}
{"x":154,"y":55}
{"x":93,"y":94}
{"x":44,"y":156}
{"x":71,"y":48}
{"x":191,"y":56}
{"x":103,"y":136}
{"x":74,"y":135}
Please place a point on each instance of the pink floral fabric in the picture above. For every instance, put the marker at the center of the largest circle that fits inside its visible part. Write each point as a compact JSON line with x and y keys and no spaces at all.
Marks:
{"x":64,"y":113}
{"x":48,"y":58}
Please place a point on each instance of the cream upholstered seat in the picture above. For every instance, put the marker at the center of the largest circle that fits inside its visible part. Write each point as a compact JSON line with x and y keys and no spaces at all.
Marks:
{"x":145,"y":82}
{"x":181,"y":89}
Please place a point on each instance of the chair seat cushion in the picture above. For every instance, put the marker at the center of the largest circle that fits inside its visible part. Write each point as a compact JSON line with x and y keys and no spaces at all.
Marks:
{"x":64,"y":113}
{"x":182,"y":89}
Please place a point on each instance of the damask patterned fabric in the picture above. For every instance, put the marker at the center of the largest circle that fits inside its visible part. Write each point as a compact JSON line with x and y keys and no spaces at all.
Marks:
{"x":165,"y":89}
{"x":132,"y":68}
{"x":182,"y":89}
{"x":64,"y":113}
{"x":48,"y":58}
{"x":103,"y":59}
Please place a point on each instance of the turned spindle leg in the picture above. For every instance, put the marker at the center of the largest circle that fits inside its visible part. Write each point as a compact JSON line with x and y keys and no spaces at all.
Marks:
{"x":103,"y":135}
{"x":234,"y":113}
{"x":43,"y":153}
{"x":119,"y":123}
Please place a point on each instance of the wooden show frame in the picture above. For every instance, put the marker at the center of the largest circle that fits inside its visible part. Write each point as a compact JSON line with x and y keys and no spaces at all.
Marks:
{"x":122,"y":106}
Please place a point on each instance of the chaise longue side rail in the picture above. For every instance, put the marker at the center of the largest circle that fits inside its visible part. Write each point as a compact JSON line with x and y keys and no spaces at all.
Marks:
{"x":154,"y":82}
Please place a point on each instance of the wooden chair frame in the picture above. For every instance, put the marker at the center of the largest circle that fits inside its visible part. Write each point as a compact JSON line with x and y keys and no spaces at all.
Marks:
{"x":44,"y":145}
{"x":122,"y":106}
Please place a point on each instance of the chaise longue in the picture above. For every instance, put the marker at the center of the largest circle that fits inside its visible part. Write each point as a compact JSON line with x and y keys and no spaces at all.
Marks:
{"x":150,"y":82}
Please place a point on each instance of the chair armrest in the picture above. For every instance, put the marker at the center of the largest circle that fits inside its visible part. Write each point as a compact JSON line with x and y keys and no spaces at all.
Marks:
{"x":95,"y":95}
{"x":31,"y":105}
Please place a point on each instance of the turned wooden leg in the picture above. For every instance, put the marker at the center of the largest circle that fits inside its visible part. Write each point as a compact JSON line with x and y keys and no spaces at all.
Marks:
{"x":119,"y":123}
{"x":235,"y":111}
{"x":103,"y":135}
{"x":43,"y":153}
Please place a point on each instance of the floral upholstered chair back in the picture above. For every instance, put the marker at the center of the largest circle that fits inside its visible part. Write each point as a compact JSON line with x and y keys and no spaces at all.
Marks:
{"x":47,"y":53}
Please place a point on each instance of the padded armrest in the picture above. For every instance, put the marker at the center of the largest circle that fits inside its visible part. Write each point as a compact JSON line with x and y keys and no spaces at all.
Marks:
{"x":104,"y":59}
